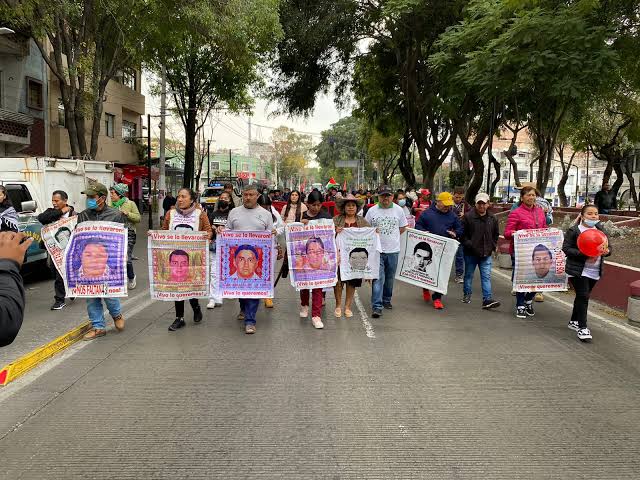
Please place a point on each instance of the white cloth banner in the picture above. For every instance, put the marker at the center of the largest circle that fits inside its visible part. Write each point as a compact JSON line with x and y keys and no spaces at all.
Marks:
{"x":540,"y":261}
{"x":359,"y":253}
{"x":56,"y":237}
{"x":426,"y":259}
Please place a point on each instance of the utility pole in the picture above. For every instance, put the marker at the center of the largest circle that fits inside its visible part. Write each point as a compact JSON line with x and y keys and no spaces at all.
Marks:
{"x":230,"y":172}
{"x":249,"y":144}
{"x":208,"y":163}
{"x":149,"y":169}
{"x":163,"y":110}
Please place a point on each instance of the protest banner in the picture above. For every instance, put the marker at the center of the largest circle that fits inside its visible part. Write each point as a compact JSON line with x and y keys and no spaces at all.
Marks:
{"x":359,"y":253}
{"x":95,"y":260}
{"x":426,"y":260}
{"x":246,"y":264}
{"x":312,"y":254}
{"x":178,"y":264}
{"x":56,"y":237}
{"x":539,"y":261}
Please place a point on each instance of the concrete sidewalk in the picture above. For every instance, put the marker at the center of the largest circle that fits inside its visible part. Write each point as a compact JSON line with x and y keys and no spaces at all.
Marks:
{"x":454,"y":394}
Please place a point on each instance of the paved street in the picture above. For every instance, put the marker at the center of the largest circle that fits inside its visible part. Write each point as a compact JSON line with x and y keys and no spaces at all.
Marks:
{"x":420,"y":394}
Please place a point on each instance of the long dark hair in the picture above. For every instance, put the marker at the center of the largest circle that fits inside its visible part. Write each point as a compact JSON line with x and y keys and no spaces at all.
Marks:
{"x":298,"y":206}
{"x":265,"y":202}
{"x":314,"y":196}
{"x":6,"y":203}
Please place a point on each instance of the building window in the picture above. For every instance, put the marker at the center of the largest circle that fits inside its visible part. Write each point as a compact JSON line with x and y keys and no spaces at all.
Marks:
{"x":129,"y":131}
{"x":523,"y":174}
{"x":61,"y":119}
{"x":129,"y":79}
{"x":215,"y":166}
{"x":109,"y":123}
{"x":35,"y":95}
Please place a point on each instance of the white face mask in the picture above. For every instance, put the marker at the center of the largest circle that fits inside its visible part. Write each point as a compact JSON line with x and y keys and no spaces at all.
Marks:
{"x":590,"y":223}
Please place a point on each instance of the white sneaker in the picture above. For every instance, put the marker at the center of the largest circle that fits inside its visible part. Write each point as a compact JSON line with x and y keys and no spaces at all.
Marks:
{"x":211,"y":305}
{"x":584,"y":334}
{"x":132,"y":283}
{"x":304,"y":311}
{"x":317,"y":322}
{"x":573,"y":325}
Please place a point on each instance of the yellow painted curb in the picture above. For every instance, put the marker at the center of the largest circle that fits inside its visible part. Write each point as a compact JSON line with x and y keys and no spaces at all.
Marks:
{"x":33,"y":359}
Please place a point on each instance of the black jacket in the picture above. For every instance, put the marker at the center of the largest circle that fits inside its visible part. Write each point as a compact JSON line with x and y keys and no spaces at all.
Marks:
{"x":605,"y":200}
{"x":575,"y":258}
{"x":11,"y":301}
{"x":51,"y":215}
{"x":480,"y":234}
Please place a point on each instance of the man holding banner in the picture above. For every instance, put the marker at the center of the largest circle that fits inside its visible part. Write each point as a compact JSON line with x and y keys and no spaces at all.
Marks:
{"x":98,"y":211}
{"x":249,"y":217}
{"x":56,"y":237}
{"x":442,"y":221}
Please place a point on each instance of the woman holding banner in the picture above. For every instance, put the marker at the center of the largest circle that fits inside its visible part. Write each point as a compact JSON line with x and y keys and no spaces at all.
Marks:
{"x":348,"y":218}
{"x":278,"y":225}
{"x":527,"y":216}
{"x":293,"y":210}
{"x":186,"y":216}
{"x":313,"y":249}
{"x":217,"y":218}
{"x":584,"y":271}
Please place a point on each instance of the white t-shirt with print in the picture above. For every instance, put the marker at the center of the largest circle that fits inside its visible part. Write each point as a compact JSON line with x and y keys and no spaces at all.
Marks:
{"x":388,"y":221}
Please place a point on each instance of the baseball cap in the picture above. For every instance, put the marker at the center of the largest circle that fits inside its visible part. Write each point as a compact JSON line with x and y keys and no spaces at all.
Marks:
{"x":482,"y":197}
{"x":96,"y":189}
{"x":446,"y":198}
{"x":385,"y":190}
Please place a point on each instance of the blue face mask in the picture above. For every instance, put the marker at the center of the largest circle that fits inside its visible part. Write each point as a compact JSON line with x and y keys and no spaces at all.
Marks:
{"x":590,"y":223}
{"x":92,"y":203}
{"x":402,"y":202}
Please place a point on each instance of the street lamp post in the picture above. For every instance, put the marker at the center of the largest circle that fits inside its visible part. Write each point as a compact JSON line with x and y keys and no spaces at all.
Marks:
{"x":149,"y":169}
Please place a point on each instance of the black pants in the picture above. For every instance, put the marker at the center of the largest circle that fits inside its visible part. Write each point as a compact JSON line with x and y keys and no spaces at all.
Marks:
{"x":195,"y":305}
{"x":58,"y":283}
{"x":582,"y":287}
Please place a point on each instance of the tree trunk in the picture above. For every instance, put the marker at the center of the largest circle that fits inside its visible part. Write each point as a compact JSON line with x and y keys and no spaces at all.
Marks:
{"x":478,"y":175}
{"x":628,"y":170}
{"x":496,"y":166}
{"x":190,"y":144}
{"x":404,"y":162}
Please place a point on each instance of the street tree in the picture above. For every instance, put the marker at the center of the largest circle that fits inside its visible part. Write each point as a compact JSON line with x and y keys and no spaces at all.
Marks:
{"x":211,"y":53}
{"x":292,"y":153}
{"x":346,"y":140}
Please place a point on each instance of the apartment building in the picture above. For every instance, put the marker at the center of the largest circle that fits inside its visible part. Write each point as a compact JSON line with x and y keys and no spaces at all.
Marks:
{"x":32,"y":116}
{"x":23,"y":97}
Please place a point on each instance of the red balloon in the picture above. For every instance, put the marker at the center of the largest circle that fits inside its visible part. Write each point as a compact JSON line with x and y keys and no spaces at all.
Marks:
{"x":592,"y":242}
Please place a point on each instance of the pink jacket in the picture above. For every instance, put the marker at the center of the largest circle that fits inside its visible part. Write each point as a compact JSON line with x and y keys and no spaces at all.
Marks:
{"x":524,"y":218}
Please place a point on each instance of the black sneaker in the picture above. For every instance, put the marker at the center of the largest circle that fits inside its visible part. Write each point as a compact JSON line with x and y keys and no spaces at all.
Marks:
{"x":58,"y":306}
{"x":521,"y":312}
{"x":528,"y":308}
{"x":197,"y":315}
{"x":388,"y":306}
{"x":177,"y":323}
{"x":377,"y":313}
{"x":490,"y":303}
{"x":466,"y":298}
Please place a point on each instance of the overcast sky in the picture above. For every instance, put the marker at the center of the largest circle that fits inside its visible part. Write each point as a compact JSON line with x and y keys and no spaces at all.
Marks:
{"x":229,"y":131}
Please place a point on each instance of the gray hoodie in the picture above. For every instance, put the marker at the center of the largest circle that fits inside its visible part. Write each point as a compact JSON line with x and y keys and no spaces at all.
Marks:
{"x":107,"y":214}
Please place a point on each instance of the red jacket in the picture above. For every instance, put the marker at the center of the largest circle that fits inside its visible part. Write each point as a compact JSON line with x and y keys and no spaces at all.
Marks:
{"x":524,"y":218}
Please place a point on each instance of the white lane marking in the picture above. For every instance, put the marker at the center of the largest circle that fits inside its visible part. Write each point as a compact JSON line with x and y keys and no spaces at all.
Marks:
{"x":621,"y":326}
{"x":368,"y":328}
{"x":56,"y":360}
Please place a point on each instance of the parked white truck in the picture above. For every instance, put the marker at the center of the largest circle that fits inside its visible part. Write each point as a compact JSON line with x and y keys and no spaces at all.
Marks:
{"x":30,"y":181}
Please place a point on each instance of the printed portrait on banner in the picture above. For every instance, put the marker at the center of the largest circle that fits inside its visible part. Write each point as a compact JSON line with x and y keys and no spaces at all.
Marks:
{"x":56,"y":237}
{"x":312,"y":254}
{"x":178,"y":264}
{"x":539,"y":260}
{"x":95,"y":260}
{"x":359,"y":253}
{"x":246,"y":264}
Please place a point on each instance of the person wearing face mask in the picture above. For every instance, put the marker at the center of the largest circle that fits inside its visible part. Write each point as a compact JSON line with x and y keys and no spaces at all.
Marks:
{"x":98,"y":211}
{"x":129,"y":209}
{"x":401,"y":201}
{"x":584,"y":272}
{"x":217,"y":219}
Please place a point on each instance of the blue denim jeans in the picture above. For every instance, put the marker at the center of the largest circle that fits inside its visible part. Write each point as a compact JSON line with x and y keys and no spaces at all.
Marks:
{"x":484,"y":264}
{"x":382,"y":288}
{"x":460,"y":262}
{"x":521,"y":297}
{"x":96,"y":313}
{"x":249,"y":306}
